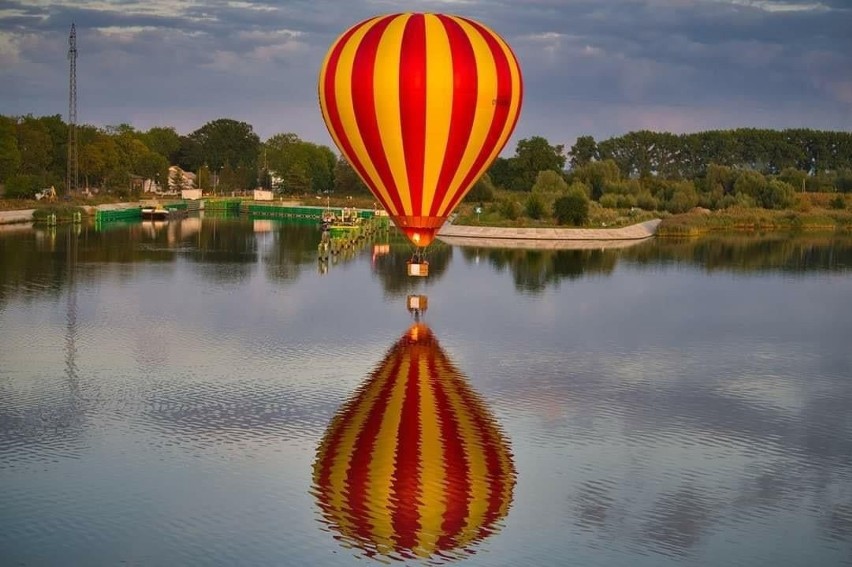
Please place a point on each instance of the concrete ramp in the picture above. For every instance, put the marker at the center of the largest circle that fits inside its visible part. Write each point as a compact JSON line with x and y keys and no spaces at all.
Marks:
{"x":547,"y":238}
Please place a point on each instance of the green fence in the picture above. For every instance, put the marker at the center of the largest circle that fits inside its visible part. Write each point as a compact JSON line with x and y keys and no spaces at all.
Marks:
{"x":230,"y":205}
{"x":107,"y":215}
{"x":271,"y":210}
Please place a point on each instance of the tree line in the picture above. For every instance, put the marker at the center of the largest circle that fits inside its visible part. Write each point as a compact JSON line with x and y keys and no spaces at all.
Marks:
{"x":650,"y":170}
{"x":224,"y":154}
{"x":663,"y":171}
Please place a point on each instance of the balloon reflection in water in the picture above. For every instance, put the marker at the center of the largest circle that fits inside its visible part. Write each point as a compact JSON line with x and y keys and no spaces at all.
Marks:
{"x":414,"y":465}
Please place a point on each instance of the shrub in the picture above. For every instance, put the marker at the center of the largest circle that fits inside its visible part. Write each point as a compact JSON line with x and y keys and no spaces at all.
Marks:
{"x":62,"y":212}
{"x":572,"y":208}
{"x":646,"y":201}
{"x":21,"y":186}
{"x":609,"y":200}
{"x":549,"y":181}
{"x":580,"y":186}
{"x":838,"y":202}
{"x":726,"y":202}
{"x":745,"y":201}
{"x":535,"y":206}
{"x":682,"y":200}
{"x":510,"y":208}
{"x":626,"y":201}
{"x":776,"y":195}
{"x":482,"y":191}
{"x":750,"y":183}
{"x":843,"y":182}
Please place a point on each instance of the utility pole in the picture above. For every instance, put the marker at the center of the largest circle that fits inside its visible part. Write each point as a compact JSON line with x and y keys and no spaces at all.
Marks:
{"x":72,"y":173}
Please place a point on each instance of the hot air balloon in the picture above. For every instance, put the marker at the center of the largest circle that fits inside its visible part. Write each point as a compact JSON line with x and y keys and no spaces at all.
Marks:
{"x":420,"y":105}
{"x":414,"y":465}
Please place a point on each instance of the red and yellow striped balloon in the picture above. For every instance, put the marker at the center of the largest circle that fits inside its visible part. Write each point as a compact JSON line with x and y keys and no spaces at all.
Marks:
{"x":414,"y":465}
{"x":420,"y":105}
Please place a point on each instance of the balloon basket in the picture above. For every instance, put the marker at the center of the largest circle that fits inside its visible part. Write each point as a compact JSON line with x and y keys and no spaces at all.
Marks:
{"x":418,"y":268}
{"x":417,"y":303}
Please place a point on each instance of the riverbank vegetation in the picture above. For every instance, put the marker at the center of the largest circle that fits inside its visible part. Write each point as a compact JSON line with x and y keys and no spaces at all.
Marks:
{"x":716,"y":180}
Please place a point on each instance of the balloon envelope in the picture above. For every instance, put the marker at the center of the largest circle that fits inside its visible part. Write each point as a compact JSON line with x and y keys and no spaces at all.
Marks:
{"x":420,"y":105}
{"x":414,"y":465}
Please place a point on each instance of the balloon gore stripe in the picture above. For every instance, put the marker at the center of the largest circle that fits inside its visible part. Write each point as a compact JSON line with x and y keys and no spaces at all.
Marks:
{"x":431,"y":70}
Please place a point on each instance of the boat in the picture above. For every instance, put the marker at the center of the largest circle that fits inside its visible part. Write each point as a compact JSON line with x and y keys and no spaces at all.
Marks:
{"x":157,"y":212}
{"x":347,"y":221}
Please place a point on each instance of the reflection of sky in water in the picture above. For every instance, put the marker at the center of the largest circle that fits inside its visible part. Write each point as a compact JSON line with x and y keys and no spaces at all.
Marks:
{"x":657,"y":413}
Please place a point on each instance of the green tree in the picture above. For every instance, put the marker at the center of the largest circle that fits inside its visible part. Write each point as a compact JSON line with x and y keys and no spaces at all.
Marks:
{"x":750,"y":184}
{"x":683,"y":199}
{"x":776,"y":194}
{"x":36,"y":148}
{"x":347,"y":181}
{"x":100,"y":162}
{"x":296,"y":180}
{"x":597,"y":174}
{"x":583,"y":152}
{"x":793,"y":176}
{"x":165,"y":141}
{"x":533,"y":155}
{"x":177,"y":182}
{"x":549,"y":181}
{"x":304,"y":166}
{"x":482,"y":191}
{"x":22,"y":186}
{"x":151,"y":165}
{"x":500,"y":173}
{"x":843,"y":181}
{"x":223,"y":142}
{"x":572,"y":208}
{"x":204,"y":180}
{"x":10,"y":156}
{"x":719,"y":177}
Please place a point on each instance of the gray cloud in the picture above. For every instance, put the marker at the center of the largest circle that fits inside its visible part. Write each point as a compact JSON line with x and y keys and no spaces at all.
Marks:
{"x":589,"y":67}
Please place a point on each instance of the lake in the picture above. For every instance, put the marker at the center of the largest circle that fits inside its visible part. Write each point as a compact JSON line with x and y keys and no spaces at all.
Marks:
{"x":205,"y":392}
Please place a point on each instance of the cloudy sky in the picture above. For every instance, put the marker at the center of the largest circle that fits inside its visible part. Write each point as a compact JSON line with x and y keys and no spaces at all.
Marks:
{"x":590,"y":66}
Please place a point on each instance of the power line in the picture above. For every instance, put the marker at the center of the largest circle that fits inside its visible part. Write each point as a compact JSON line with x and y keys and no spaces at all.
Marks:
{"x":72,"y":174}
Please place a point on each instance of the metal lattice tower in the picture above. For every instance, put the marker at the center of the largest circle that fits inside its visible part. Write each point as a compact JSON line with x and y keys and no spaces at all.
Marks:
{"x":72,"y":174}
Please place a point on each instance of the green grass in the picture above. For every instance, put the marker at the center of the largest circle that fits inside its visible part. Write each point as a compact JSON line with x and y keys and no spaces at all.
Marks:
{"x":737,"y":219}
{"x":63,"y":212}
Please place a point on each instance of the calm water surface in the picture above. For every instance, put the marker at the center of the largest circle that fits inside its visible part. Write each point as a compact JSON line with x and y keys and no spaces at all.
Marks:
{"x":205,"y":392}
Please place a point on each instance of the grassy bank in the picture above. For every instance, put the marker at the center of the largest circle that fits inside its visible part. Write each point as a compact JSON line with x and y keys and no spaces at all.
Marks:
{"x":811,"y":212}
{"x":494,"y":214}
{"x":64,"y":212}
{"x":737,"y":219}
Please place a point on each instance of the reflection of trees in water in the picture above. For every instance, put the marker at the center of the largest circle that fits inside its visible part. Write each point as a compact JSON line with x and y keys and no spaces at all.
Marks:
{"x":677,"y":521}
{"x":742,"y":253}
{"x":534,"y":270}
{"x":392,"y":271}
{"x":51,"y":422}
{"x":292,"y":247}
{"x":225,"y":249}
{"x":838,"y":523}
